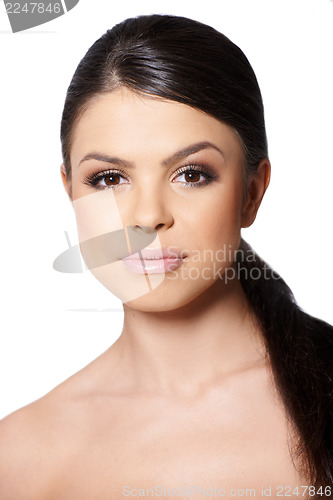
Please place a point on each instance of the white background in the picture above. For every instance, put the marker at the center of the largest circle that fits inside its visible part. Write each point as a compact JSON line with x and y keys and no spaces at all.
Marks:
{"x":289,"y":44}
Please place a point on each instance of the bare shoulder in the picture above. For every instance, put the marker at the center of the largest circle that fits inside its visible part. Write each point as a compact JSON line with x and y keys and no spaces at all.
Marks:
{"x":36,"y":441}
{"x":23,"y":454}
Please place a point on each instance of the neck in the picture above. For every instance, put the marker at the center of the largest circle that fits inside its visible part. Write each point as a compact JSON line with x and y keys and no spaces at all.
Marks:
{"x":184,"y":350}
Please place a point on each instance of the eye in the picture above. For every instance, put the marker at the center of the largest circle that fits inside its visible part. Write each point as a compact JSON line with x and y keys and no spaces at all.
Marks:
{"x":105,"y":180}
{"x":192,"y":174}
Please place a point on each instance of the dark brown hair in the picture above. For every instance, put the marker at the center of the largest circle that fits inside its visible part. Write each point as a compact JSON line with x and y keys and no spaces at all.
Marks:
{"x":183,"y":60}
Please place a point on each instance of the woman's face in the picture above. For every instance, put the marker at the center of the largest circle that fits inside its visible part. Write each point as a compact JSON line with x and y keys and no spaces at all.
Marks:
{"x":141,"y":161}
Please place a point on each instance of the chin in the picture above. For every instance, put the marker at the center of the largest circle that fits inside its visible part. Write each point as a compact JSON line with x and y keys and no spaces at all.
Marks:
{"x":162,"y":299}
{"x":157,"y":301}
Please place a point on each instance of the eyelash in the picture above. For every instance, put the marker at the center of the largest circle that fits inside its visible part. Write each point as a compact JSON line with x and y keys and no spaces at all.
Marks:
{"x":93,"y":179}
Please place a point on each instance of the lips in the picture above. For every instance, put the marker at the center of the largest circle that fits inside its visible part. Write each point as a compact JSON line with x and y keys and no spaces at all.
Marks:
{"x":154,"y":261}
{"x":156,"y":254}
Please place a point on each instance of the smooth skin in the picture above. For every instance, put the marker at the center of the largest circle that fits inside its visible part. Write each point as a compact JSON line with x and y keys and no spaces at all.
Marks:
{"x":185,"y":396}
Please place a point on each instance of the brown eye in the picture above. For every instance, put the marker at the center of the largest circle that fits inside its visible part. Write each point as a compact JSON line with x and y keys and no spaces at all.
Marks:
{"x":105,"y":180}
{"x":111,"y":179}
{"x":192,"y":176}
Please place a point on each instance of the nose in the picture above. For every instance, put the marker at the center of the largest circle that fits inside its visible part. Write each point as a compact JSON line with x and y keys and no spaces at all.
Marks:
{"x":150,"y":207}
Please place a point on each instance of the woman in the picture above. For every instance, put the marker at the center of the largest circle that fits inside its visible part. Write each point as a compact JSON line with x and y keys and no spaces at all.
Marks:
{"x":219,"y":384}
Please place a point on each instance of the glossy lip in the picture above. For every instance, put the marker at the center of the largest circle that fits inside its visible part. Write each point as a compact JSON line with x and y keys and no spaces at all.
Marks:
{"x":156,"y":253}
{"x":154,"y":261}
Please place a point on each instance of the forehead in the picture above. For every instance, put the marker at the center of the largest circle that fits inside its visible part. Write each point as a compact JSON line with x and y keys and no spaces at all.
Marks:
{"x":133,"y":125}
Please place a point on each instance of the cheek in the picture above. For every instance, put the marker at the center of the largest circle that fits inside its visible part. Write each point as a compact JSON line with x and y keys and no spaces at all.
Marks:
{"x":218,"y":221}
{"x":96,"y":214}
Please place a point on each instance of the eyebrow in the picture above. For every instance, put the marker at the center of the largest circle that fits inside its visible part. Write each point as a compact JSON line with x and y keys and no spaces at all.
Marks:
{"x":182,"y":153}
